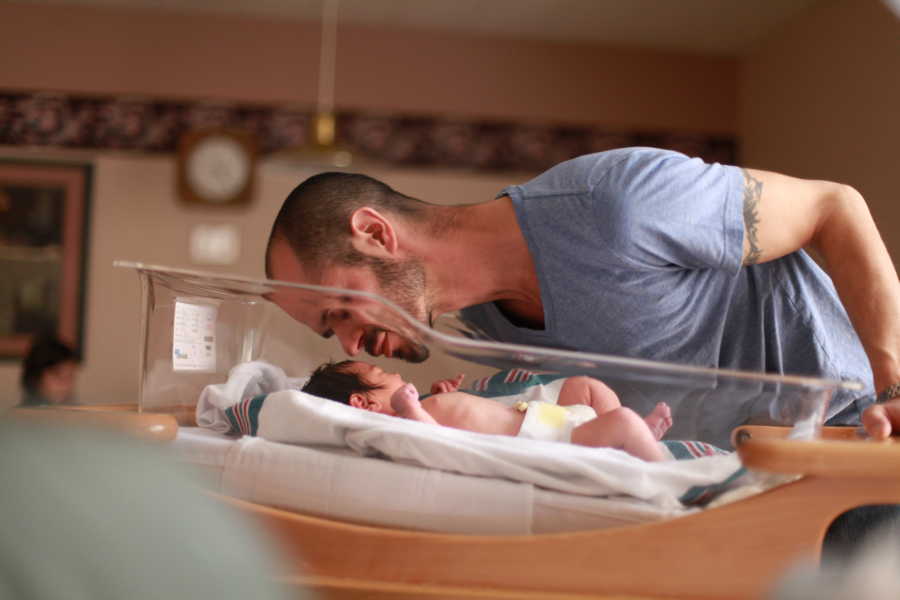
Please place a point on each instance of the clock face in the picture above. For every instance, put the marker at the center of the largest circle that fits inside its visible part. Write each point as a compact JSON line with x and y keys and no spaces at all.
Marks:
{"x":218,"y":168}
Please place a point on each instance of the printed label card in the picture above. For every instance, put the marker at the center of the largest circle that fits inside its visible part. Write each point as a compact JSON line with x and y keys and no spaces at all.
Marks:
{"x":194,"y":337}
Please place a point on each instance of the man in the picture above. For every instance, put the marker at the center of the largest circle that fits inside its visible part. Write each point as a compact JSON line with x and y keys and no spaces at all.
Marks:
{"x":634,"y":252}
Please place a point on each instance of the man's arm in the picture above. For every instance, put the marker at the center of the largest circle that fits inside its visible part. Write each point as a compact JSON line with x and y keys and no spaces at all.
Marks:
{"x":783,"y":214}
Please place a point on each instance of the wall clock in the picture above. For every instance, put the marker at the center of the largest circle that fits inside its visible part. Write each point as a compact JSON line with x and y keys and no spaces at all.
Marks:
{"x":216,"y":167}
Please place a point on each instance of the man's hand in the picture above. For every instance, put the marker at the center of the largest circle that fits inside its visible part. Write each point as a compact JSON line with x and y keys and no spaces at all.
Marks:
{"x":882,"y":420}
{"x":447,"y":385}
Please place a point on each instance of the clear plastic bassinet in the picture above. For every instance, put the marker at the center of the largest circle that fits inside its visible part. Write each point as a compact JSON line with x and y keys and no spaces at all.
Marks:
{"x":196,"y":326}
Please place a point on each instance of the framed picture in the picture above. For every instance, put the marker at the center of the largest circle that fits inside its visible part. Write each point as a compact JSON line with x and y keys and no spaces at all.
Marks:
{"x":43,"y":240}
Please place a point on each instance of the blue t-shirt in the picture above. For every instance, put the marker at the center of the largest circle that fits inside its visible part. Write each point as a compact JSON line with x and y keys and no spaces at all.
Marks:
{"x":638,"y":254}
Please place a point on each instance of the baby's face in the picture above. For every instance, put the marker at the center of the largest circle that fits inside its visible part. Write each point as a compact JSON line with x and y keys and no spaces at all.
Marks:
{"x":387,"y":383}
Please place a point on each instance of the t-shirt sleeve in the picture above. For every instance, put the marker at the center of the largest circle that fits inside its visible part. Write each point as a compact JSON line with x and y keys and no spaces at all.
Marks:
{"x":659,"y":209}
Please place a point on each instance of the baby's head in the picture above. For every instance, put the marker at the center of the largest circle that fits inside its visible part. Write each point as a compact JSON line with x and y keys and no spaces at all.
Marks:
{"x":359,"y":384}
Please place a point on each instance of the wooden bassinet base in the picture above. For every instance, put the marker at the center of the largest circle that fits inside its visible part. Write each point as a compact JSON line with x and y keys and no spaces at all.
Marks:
{"x":734,"y":551}
{"x":739,"y":550}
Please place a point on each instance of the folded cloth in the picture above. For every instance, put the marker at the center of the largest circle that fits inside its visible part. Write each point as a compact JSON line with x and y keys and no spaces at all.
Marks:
{"x":244,"y":381}
{"x":300,"y":418}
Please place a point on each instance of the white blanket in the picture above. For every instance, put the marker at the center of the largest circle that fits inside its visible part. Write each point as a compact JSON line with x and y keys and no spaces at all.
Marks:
{"x":291,"y":416}
{"x":327,"y":482}
{"x":244,"y":381}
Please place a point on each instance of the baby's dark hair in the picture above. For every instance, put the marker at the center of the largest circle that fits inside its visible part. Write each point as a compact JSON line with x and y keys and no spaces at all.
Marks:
{"x":336,"y":382}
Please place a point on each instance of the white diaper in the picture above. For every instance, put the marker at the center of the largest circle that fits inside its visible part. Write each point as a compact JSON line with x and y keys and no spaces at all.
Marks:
{"x":547,"y":421}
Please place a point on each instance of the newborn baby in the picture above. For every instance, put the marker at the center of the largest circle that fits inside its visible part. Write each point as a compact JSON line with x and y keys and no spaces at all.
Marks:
{"x":587,"y":412}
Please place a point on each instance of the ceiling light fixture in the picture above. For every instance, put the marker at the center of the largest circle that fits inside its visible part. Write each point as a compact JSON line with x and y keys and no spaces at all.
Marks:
{"x":322,"y":148}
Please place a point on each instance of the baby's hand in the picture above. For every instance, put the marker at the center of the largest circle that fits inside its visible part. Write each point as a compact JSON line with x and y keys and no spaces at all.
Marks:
{"x":447,"y":385}
{"x":405,"y":400}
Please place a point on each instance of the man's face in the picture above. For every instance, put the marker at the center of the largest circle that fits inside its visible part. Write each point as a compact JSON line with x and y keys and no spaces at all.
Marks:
{"x":355,"y":321}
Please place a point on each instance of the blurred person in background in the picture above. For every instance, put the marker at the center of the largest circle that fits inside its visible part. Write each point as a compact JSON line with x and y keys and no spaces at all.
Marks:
{"x":49,"y":372}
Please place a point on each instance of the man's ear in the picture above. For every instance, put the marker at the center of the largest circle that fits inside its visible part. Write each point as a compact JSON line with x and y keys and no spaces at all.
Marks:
{"x":372,"y":234}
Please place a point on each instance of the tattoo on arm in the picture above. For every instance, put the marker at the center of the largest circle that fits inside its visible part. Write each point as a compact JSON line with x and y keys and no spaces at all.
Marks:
{"x":752,"y":194}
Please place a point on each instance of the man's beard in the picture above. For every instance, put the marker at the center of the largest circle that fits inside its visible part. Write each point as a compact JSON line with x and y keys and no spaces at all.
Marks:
{"x":403,"y":283}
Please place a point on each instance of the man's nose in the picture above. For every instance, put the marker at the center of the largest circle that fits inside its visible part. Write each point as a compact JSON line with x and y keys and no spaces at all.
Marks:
{"x":349,"y":344}
{"x":348,"y":336}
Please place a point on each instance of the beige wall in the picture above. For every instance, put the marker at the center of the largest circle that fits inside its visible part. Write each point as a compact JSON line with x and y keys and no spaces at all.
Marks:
{"x":105,"y":51}
{"x":135,"y":214}
{"x":818,"y":99}
{"x":821,"y":99}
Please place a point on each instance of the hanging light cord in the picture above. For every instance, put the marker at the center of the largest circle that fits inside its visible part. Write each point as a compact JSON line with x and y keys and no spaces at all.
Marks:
{"x":325,"y":102}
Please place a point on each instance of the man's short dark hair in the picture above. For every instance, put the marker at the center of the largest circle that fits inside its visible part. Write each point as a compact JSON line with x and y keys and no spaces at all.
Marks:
{"x":315,"y":217}
{"x":335,"y":381}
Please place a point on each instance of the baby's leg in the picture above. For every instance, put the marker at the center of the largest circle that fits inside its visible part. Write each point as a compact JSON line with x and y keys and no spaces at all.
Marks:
{"x":620,"y":428}
{"x":405,"y":401}
{"x":659,"y":420}
{"x":589,"y":391}
{"x":600,"y":397}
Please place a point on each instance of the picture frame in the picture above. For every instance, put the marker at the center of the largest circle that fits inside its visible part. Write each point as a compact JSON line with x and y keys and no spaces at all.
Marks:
{"x":44,"y":218}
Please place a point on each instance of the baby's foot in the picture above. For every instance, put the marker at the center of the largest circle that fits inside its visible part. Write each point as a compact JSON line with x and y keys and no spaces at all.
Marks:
{"x":659,"y":420}
{"x":405,"y":400}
